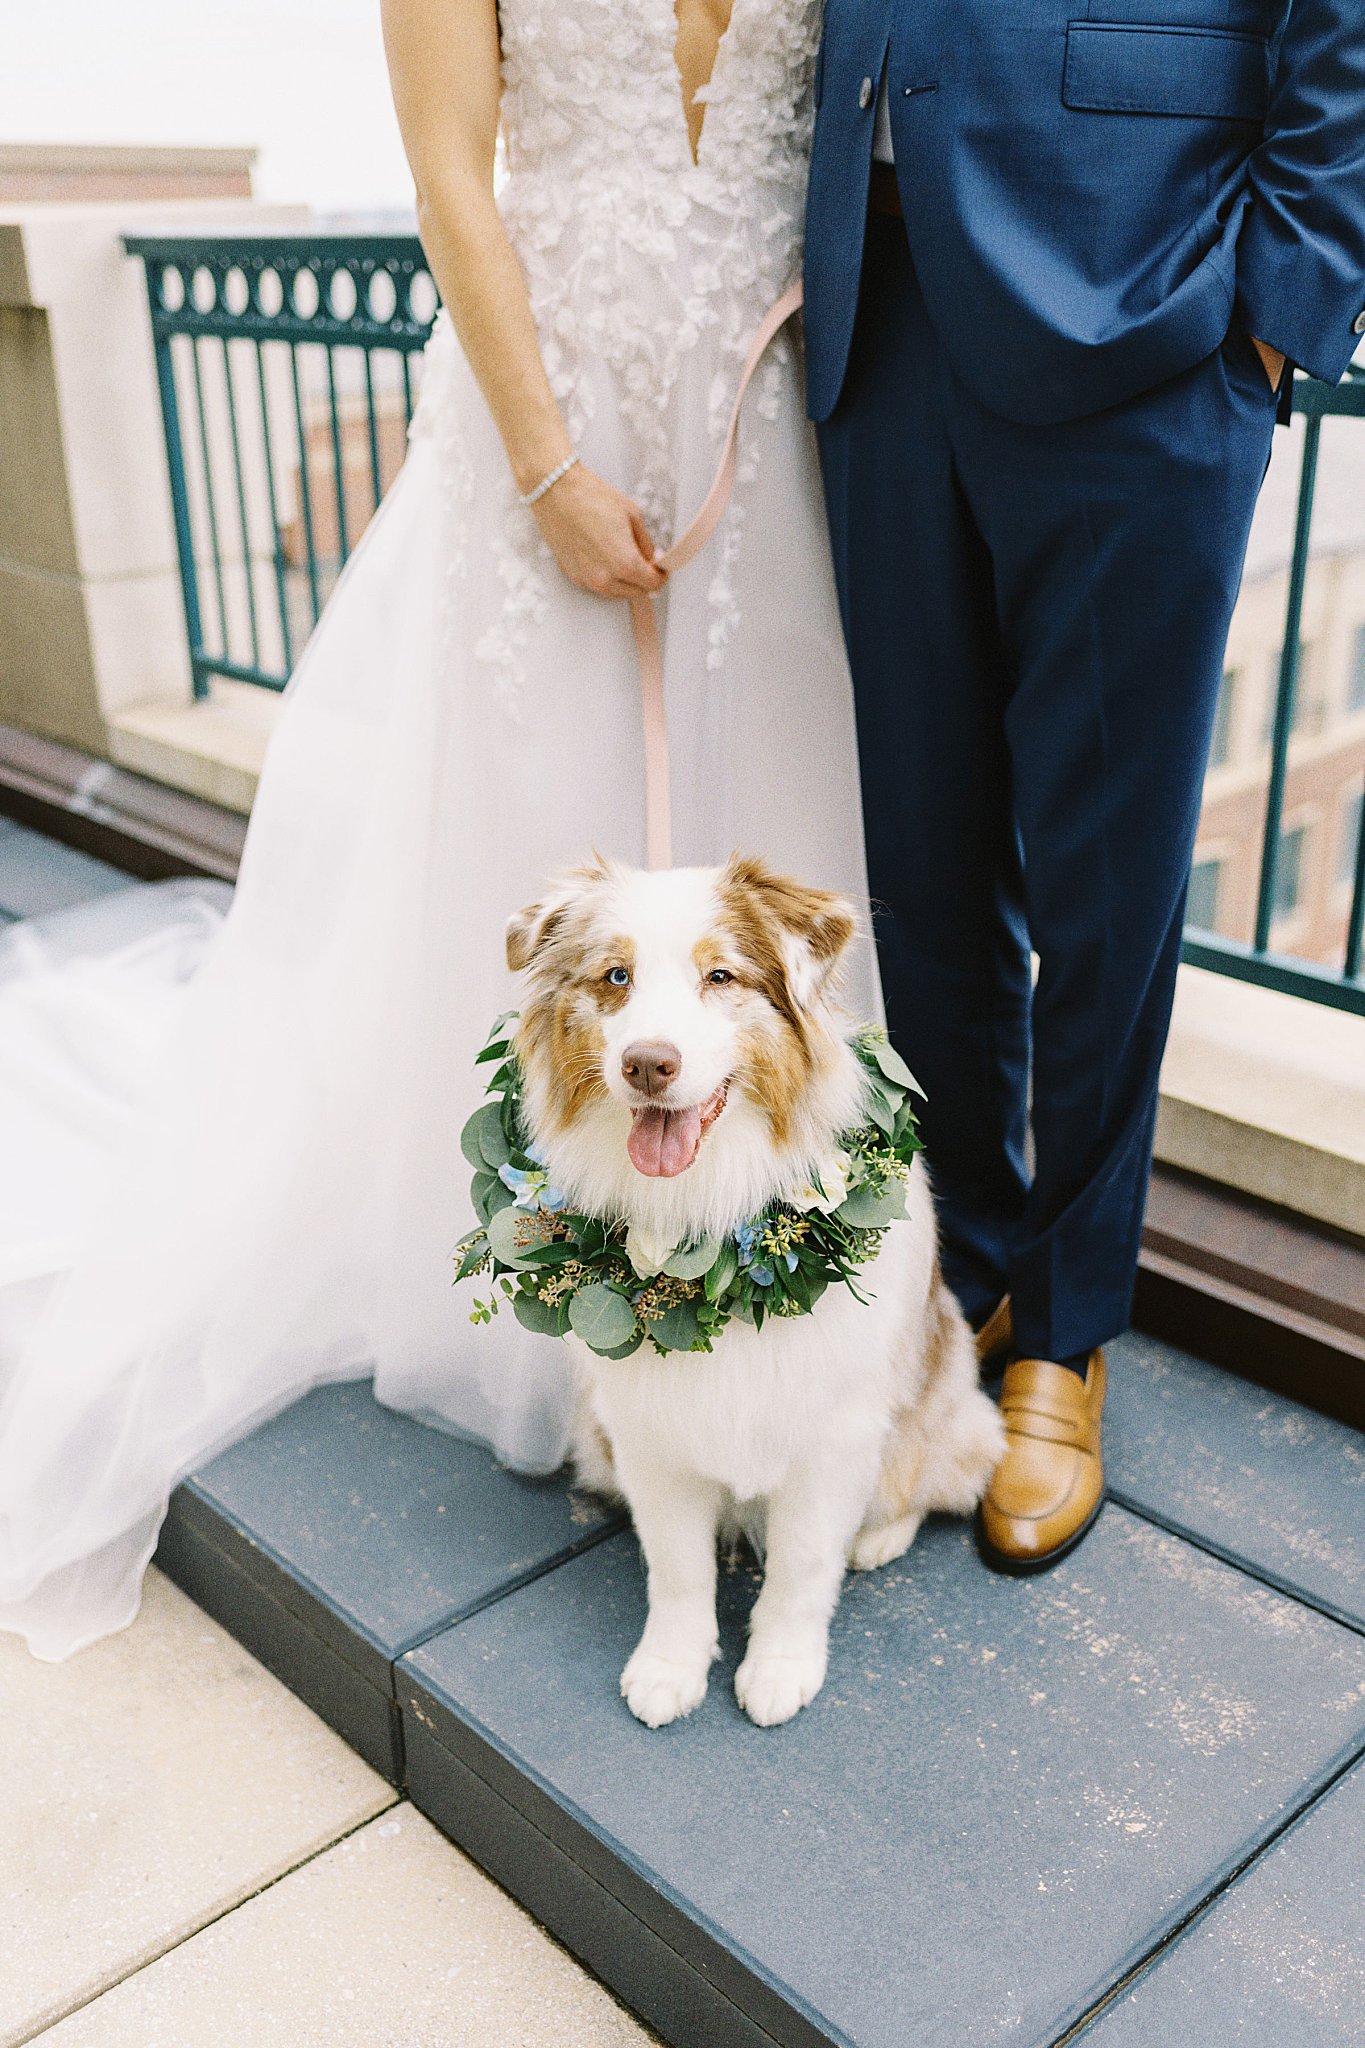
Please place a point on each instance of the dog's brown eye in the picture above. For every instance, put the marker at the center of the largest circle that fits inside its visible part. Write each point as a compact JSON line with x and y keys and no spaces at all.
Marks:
{"x":720,"y":977}
{"x":618,"y":977}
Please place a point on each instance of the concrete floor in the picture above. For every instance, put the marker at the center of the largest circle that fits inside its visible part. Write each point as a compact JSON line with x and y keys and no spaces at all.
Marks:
{"x":190,"y":1856}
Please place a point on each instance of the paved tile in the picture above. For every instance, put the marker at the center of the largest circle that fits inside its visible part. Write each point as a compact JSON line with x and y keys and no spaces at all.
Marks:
{"x":392,"y":1939}
{"x":38,"y":875}
{"x":148,"y":1784}
{"x":1252,"y":1474}
{"x":342,"y":1533}
{"x":1279,"y":1962}
{"x":1008,"y":1789}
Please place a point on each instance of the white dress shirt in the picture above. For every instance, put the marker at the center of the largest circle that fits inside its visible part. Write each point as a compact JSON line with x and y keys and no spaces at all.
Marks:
{"x":882,"y":150}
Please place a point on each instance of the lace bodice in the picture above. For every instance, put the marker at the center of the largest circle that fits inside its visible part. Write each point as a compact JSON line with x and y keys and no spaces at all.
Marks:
{"x":647,"y":271}
{"x":593,"y":98}
{"x":631,"y":249}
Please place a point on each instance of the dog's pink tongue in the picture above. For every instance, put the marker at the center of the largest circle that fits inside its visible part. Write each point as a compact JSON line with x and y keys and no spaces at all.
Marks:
{"x":663,"y":1142}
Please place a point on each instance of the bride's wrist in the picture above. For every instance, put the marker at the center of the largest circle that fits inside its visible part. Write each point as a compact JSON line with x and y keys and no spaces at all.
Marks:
{"x":540,"y":491}
{"x":530,"y":466}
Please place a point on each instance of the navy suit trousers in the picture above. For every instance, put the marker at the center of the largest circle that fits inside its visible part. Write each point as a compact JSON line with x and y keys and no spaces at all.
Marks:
{"x":1036,"y":619}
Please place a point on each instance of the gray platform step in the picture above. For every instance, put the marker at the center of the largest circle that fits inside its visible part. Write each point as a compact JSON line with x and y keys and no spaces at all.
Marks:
{"x":1009,"y":1798}
{"x":342,"y":1534}
{"x":1277,"y":1962}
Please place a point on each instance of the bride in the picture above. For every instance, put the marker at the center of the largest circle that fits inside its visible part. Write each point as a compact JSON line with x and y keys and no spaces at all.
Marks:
{"x":281,"y":1207}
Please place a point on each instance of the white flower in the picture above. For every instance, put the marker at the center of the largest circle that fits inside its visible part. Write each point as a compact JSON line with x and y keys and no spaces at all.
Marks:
{"x":833,"y":1179}
{"x":647,"y":1251}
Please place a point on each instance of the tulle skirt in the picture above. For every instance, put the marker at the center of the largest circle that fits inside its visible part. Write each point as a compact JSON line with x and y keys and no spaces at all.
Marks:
{"x":230,"y":1126}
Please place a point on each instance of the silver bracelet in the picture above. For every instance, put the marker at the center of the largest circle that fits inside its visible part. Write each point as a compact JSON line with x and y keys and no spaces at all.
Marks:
{"x":547,"y":483}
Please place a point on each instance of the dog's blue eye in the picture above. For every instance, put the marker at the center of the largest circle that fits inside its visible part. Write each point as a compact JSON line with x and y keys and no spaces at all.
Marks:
{"x":619,"y":977}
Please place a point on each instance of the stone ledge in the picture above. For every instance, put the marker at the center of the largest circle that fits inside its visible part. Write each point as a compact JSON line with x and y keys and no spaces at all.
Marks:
{"x":1266,"y":1093}
{"x":213,"y":747}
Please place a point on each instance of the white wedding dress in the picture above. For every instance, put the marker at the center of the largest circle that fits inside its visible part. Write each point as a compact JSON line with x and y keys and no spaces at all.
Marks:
{"x":231,"y":1149}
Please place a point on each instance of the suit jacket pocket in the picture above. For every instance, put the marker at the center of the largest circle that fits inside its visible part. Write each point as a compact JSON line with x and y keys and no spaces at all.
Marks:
{"x":1134,"y":68}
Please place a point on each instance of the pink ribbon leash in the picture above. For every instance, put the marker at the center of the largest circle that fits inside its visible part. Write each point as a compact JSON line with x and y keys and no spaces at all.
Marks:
{"x":658,"y":803}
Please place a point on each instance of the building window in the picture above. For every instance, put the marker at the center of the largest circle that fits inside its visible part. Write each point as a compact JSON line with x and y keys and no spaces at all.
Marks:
{"x":1222,"y":717}
{"x":1201,"y":905}
{"x":1289,"y":871}
{"x":1355,"y":682}
{"x":1352,"y":824}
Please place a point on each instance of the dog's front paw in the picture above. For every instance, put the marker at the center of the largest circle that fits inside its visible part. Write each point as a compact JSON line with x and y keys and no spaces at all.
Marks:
{"x":773,"y":1685}
{"x":662,"y":1689}
{"x":883,"y":1544}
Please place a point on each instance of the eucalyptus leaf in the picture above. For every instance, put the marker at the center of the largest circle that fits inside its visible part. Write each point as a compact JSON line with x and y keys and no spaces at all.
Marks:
{"x":503,"y":1231}
{"x":554,"y":1252}
{"x":482,"y":1140}
{"x":880,"y":1108}
{"x":469,"y":1142}
{"x":871,"y":1208}
{"x":499,"y":1196}
{"x":895,"y":1069}
{"x":723,"y":1271}
{"x":534,"y":1314}
{"x":690,"y":1261}
{"x":677,"y":1328}
{"x":625,"y":1350}
{"x":798,"y":1285}
{"x":473,"y":1255}
{"x":603,"y":1318}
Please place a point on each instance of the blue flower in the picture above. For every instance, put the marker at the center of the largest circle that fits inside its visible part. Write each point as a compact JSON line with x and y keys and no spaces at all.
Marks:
{"x":531,"y":1190}
{"x":756,"y":1263}
{"x":746,"y":1242}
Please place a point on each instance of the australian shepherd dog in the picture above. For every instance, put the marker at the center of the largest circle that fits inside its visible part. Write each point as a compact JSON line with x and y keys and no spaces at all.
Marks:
{"x":685,"y":1063}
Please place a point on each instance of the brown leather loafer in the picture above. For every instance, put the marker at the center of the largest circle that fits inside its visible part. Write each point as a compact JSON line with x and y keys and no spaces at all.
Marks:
{"x":996,"y":1333}
{"x":1049,"y":1486}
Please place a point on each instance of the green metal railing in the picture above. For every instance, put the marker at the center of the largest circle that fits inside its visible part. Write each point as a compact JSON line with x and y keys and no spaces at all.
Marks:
{"x":285,"y":366}
{"x":1257,"y":962}
{"x":286,"y":377}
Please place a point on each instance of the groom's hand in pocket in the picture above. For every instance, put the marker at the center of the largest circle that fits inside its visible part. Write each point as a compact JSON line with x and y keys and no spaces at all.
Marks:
{"x":598,"y":536}
{"x":1272,"y":361}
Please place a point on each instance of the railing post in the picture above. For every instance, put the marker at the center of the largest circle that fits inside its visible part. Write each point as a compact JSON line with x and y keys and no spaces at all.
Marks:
{"x":1355,"y":924}
{"x":1289,"y":670}
{"x":180,"y":500}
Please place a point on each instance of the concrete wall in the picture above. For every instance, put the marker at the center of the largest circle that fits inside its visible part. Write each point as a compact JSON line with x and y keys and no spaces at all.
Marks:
{"x":91,"y":619}
{"x":39,"y":171}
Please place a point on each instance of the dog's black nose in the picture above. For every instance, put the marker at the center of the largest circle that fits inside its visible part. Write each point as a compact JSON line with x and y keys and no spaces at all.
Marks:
{"x":651,"y":1064}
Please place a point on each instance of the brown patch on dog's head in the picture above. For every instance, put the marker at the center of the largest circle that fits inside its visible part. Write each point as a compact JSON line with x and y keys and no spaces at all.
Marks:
{"x":793,"y":935}
{"x":562,"y":944}
{"x":789,"y":940}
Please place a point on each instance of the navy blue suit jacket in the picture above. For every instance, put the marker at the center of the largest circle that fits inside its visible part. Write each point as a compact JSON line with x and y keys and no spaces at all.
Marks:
{"x":1092,"y":196}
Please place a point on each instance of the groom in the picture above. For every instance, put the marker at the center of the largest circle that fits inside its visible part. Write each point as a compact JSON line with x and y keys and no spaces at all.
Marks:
{"x":1055,"y":264}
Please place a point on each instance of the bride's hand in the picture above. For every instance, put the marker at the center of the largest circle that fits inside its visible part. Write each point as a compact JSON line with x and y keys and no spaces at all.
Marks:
{"x":598,"y":536}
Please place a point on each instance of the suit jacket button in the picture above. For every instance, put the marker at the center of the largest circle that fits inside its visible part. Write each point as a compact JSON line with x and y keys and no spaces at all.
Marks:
{"x":1358,"y":324}
{"x":865,"y":101}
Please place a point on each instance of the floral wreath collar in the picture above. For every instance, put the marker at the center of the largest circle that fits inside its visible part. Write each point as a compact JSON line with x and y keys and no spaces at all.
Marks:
{"x":564,"y":1272}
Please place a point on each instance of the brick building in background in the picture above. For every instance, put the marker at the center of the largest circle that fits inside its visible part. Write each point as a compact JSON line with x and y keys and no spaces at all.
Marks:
{"x":1325,"y":781}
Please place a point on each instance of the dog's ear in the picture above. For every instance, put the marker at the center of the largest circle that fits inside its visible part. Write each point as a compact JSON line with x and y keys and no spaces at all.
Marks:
{"x":530,"y":929}
{"x":817,"y":926}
